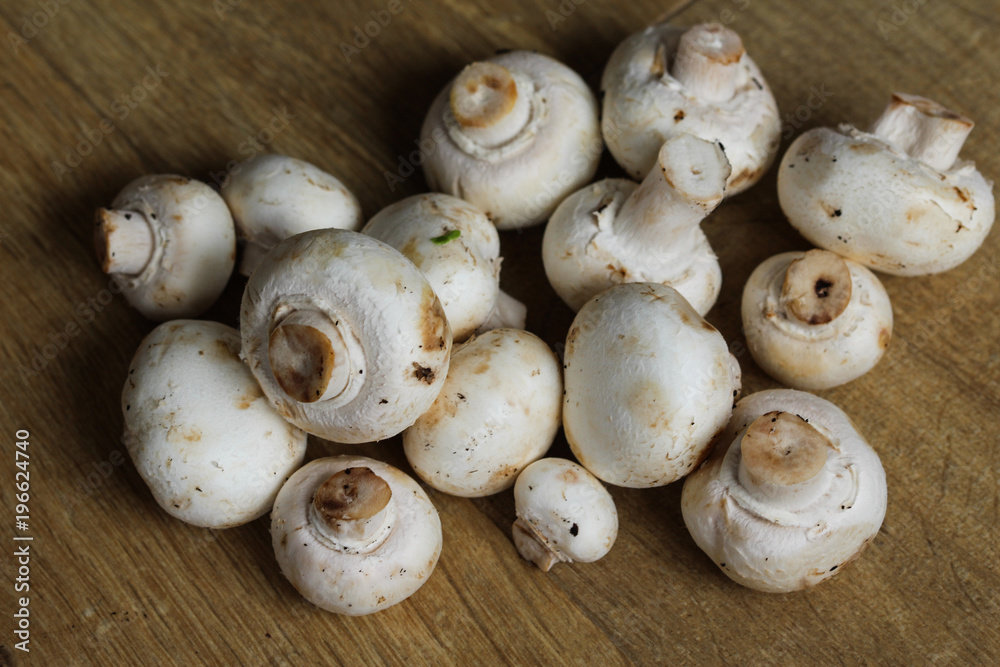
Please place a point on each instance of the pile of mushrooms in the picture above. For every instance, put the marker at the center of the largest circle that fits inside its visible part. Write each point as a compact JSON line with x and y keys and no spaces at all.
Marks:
{"x":348,"y":335}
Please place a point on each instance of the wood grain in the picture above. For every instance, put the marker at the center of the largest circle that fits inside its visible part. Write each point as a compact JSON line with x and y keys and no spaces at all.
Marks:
{"x":114,"y":580}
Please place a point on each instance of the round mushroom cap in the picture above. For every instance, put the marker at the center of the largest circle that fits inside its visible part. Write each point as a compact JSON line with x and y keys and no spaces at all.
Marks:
{"x":345,"y":580}
{"x":644,"y":105}
{"x":520,"y":182}
{"x":649,"y":383}
{"x":810,"y":534}
{"x":849,"y":192}
{"x":819,"y":354}
{"x":454,"y":245}
{"x":499,"y":411}
{"x":345,"y":315}
{"x":200,"y":431}
{"x":194,"y":247}
{"x":275,"y":196}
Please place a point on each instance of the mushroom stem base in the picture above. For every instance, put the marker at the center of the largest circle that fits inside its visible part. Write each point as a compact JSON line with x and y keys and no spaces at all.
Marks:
{"x":533,"y":548}
{"x":123,"y":241}
{"x":708,"y":61}
{"x":923,"y":129}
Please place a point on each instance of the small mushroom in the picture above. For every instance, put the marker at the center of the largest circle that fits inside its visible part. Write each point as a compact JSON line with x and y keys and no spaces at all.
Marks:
{"x":345,"y":336}
{"x":457,"y":249}
{"x":354,"y":535}
{"x":814,"y":320}
{"x":499,"y":411}
{"x":616,"y":232}
{"x":790,"y":494}
{"x":668,"y":80}
{"x":170,"y":241}
{"x":513,"y":135}
{"x":564,"y":514}
{"x":649,"y":383}
{"x":275,"y":196}
{"x":207,"y":443}
{"x":896,"y":199}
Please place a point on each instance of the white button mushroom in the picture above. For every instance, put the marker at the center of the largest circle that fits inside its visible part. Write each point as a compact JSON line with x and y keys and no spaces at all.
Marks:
{"x":354,"y":535}
{"x":345,"y":335}
{"x":564,"y":514}
{"x":171,"y":241}
{"x":457,"y":249}
{"x":200,"y":431}
{"x":790,"y":495}
{"x":615,"y":232}
{"x":896,"y":199}
{"x":649,"y":383}
{"x":514,"y":135}
{"x":275,"y":196}
{"x":499,"y":411}
{"x":667,"y":80}
{"x":814,"y":320}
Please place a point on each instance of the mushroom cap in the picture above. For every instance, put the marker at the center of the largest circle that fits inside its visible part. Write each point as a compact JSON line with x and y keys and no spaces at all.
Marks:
{"x":567,"y":509}
{"x":194,"y":249}
{"x":395,"y":334}
{"x":649,"y":383}
{"x":785,"y":549}
{"x":275,"y":196}
{"x":499,"y":411}
{"x":854,"y":194}
{"x":201,"y":434}
{"x":342,"y":580}
{"x":520,"y":183}
{"x":584,"y":255}
{"x":643,"y":107}
{"x":464,"y":271}
{"x":815,"y":356}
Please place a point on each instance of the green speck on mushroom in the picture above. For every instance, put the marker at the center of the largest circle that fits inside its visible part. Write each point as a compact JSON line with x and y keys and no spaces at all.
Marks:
{"x":448,"y":236}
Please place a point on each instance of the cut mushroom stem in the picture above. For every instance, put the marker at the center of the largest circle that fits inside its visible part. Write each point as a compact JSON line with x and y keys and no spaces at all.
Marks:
{"x":707,"y":61}
{"x":485,"y":101}
{"x":533,"y":547}
{"x":123,"y":240}
{"x":782,"y":458}
{"x":308,"y":356}
{"x":817,"y":287}
{"x":353,"y":509}
{"x":923,"y":129}
{"x":672,"y":200}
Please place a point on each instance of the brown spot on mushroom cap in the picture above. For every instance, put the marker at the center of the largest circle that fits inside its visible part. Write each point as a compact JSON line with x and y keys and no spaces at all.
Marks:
{"x":883,"y":338}
{"x":251,"y":395}
{"x":817,"y":287}
{"x":301,"y":359}
{"x":433,"y":323}
{"x":423,"y":373}
{"x":783,"y":449}
{"x":351,"y":494}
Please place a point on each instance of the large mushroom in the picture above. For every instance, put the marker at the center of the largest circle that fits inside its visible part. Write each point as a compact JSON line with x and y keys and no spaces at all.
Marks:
{"x":814,"y":320}
{"x":897,"y":198}
{"x":275,"y":196}
{"x":513,"y":135}
{"x":457,"y":249}
{"x":354,"y":535}
{"x":790,"y":495}
{"x":170,"y":241}
{"x":667,"y":80}
{"x":345,"y":335}
{"x":616,"y":232}
{"x":649,"y":383}
{"x":499,"y":410}
{"x":202,"y":435}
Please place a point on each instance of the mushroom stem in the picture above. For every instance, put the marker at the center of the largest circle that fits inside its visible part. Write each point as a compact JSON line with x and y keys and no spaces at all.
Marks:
{"x":534,"y":548}
{"x":923,"y":129}
{"x":508,"y":313}
{"x":782,"y":458}
{"x":252,"y":254}
{"x":708,"y":61}
{"x":670,"y":202}
{"x":353,"y":509}
{"x":817,"y":287}
{"x":487,"y":104}
{"x":308,"y":356}
{"x":123,"y":240}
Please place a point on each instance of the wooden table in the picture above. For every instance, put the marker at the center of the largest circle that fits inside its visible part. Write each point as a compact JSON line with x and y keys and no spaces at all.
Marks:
{"x":185,"y":87}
